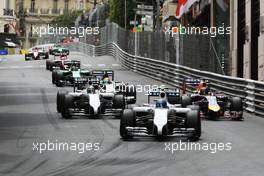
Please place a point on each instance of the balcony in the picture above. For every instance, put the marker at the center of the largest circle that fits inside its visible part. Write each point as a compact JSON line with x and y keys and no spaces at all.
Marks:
{"x":33,"y":11}
{"x":44,"y":11}
{"x":55,"y":11}
{"x":8,"y":12}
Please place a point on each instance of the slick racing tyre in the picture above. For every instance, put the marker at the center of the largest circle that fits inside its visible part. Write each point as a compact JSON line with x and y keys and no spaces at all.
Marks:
{"x":194,"y":107}
{"x":119,"y":101}
{"x":236,"y":104}
{"x":47,"y":65}
{"x":186,"y":100}
{"x":131,"y":92}
{"x":174,"y":100}
{"x":127,"y":120}
{"x":60,"y":100}
{"x":54,"y":77}
{"x":193,"y":120}
{"x":59,"y":79}
{"x":67,"y":104}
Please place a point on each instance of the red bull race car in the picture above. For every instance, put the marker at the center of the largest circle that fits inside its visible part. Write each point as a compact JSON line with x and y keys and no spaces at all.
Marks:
{"x":213,"y":104}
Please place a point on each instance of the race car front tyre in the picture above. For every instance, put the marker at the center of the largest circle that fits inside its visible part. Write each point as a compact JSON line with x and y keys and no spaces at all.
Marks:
{"x":60,"y":100}
{"x":54,"y":77}
{"x":127,"y":120}
{"x":67,"y":104}
{"x":47,"y":65}
{"x":236,"y":104}
{"x":119,"y":101}
{"x":186,"y":100}
{"x":193,"y":120}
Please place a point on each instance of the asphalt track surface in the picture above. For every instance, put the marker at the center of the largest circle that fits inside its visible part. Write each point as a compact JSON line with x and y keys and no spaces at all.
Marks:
{"x":28,"y":115}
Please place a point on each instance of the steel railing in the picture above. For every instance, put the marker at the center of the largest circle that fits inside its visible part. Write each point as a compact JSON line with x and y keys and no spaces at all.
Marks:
{"x":252,"y":92}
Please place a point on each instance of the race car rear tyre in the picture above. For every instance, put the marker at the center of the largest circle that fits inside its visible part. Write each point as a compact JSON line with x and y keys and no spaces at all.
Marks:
{"x":60,"y":100}
{"x":193,"y":120}
{"x":67,"y":104}
{"x":174,"y":100}
{"x":127,"y":120}
{"x":194,"y":107}
{"x":59,"y":79}
{"x":186,"y":100}
{"x":131,"y":92}
{"x":119,"y":101}
{"x":236,"y":104}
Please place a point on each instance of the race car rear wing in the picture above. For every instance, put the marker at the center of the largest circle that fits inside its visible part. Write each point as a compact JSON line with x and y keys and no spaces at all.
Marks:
{"x":73,"y":63}
{"x":193,"y":83}
{"x":172,"y":92}
{"x":102,"y":73}
{"x":81,"y":82}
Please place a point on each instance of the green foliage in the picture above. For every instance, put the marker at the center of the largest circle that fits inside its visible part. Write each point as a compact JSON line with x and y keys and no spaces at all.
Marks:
{"x":67,"y":19}
{"x":117,"y":11}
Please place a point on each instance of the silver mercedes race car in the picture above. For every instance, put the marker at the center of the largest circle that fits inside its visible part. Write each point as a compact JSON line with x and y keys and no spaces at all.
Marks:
{"x":164,"y":118}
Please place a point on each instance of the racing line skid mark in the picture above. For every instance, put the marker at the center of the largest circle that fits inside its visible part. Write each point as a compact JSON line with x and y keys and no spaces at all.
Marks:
{"x":49,"y":115}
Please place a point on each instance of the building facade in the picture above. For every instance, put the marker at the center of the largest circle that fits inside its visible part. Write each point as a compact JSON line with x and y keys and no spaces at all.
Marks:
{"x":7,"y":16}
{"x":40,"y":13}
{"x":247,"y":41}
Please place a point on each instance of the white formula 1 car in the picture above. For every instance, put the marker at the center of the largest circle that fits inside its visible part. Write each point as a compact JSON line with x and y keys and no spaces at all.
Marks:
{"x":98,"y":98}
{"x":165,"y":118}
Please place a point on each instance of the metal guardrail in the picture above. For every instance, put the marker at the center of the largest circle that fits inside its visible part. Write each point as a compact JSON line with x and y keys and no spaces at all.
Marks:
{"x":252,"y":92}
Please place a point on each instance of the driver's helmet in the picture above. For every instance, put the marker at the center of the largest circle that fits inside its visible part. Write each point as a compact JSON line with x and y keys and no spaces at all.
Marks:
{"x":90,"y":89}
{"x":161,"y":103}
{"x":74,"y":68}
{"x":106,"y":79}
{"x":203,"y":88}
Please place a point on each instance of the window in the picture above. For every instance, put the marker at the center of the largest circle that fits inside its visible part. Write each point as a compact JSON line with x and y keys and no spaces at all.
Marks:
{"x":81,"y":5}
{"x":7,"y":5}
{"x":66,"y":6}
{"x":32,"y":5}
{"x":55,"y":4}
{"x":21,"y":5}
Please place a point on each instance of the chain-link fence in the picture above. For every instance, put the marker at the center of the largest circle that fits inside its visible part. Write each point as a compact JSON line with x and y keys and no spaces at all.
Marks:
{"x":195,"y":51}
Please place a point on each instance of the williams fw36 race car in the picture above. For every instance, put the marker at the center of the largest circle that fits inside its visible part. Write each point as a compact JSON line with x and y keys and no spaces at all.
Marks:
{"x":99,"y":97}
{"x":164,"y":118}
{"x":213,"y":105}
{"x":36,"y":53}
{"x":58,"y":50}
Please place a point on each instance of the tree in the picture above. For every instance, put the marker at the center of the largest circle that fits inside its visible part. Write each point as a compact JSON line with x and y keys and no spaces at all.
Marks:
{"x":67,"y":19}
{"x":117,"y":11}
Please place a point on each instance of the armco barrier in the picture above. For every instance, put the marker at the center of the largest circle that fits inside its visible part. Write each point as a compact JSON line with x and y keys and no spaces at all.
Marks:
{"x":252,"y":92}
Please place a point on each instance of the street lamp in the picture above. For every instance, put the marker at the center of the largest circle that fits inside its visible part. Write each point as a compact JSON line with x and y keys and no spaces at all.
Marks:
{"x":125,"y":14}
